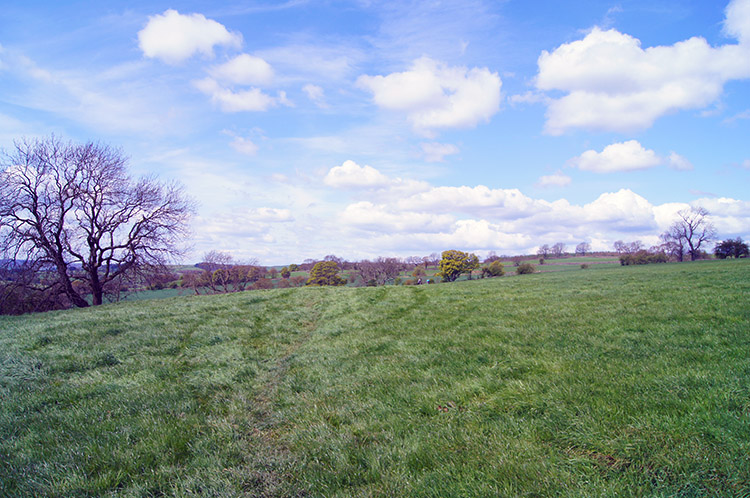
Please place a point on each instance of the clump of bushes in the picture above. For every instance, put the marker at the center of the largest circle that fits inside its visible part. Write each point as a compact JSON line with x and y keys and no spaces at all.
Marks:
{"x":525,"y":268}
{"x":494,"y":269}
{"x":643,"y":258}
{"x":584,"y":266}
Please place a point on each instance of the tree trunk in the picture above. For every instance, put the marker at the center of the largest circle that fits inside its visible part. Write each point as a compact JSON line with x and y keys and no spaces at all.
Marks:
{"x":96,"y":288}
{"x":68,"y":286}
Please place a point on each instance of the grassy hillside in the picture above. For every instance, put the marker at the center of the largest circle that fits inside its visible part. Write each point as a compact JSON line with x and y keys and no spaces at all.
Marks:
{"x":626,"y":381}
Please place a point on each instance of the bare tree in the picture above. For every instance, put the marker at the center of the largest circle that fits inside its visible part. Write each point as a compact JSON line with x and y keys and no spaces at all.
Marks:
{"x":73,"y":210}
{"x":674,"y":248}
{"x":381,"y":270}
{"x":691,"y":230}
{"x":491,"y":257}
{"x":215,"y":260}
{"x":543,"y":251}
{"x":558,"y":249}
{"x":634,"y":247}
{"x":583,"y":248}
{"x":628,"y":247}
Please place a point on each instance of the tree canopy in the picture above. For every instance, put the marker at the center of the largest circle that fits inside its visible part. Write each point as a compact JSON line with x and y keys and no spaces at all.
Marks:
{"x":325,"y":273}
{"x":732,"y":249}
{"x":454,"y":263}
{"x":689,"y":233}
{"x":73,"y":217}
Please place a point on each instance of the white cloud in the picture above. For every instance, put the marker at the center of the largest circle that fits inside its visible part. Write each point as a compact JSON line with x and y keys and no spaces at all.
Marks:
{"x":625,"y":156}
{"x":117,"y":99}
{"x":730,"y":216}
{"x":610,"y":217}
{"x":244,"y":146}
{"x":352,"y":175}
{"x":266,"y":214}
{"x":174,"y":37}
{"x":478,"y":200}
{"x":434,"y":95}
{"x":243,"y":70}
{"x":622,"y":210}
{"x":740,"y":115}
{"x":612,"y":83}
{"x":435,"y":152}
{"x":316,"y":95}
{"x":314,"y":62}
{"x":378,"y":218}
{"x":737,"y":22}
{"x":529,"y":98}
{"x":558,"y":179}
{"x":253,"y":99}
{"x":679,"y":162}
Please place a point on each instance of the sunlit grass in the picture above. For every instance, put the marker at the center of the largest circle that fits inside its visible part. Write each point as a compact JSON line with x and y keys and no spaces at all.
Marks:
{"x":626,"y":381}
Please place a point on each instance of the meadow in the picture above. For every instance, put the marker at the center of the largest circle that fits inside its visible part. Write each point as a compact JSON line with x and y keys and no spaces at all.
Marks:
{"x":610,"y":381}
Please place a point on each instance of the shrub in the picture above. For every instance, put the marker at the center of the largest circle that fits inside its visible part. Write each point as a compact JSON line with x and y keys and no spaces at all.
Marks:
{"x":525,"y":268}
{"x":643,"y":258}
{"x":454,"y":263}
{"x":297,"y":281}
{"x":541,"y":261}
{"x":494,"y":269}
{"x":263,"y":283}
{"x":325,"y":273}
{"x":584,"y":266}
{"x":284,"y":284}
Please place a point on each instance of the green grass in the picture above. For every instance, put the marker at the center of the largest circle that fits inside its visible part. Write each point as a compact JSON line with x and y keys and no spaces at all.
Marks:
{"x":627,"y":381}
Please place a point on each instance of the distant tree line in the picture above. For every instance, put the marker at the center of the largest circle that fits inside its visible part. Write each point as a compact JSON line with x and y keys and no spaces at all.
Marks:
{"x":77,"y":230}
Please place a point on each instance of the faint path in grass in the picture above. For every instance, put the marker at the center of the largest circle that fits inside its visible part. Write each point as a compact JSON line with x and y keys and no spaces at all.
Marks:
{"x":627,"y":381}
{"x":270,"y":460}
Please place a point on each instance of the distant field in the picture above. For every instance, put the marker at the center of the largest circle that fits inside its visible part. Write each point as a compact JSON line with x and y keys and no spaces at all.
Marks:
{"x":612,"y":381}
{"x":550,"y":265}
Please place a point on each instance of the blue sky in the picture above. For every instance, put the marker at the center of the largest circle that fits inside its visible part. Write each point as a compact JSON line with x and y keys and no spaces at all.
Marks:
{"x":367,"y":128}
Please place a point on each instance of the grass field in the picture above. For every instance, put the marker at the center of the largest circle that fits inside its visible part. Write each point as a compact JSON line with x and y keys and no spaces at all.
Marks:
{"x":626,"y":381}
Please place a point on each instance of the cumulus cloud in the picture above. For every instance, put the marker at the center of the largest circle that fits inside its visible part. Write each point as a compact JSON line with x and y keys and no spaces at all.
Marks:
{"x":173,"y":37}
{"x":500,"y":203}
{"x":434,"y":95}
{"x":625,"y":156}
{"x":243,"y":70}
{"x":737,"y":22}
{"x":228,"y":100}
{"x":435,"y":152}
{"x":679,"y":162}
{"x":352,"y":175}
{"x":378,"y":218}
{"x":559,"y":179}
{"x":622,"y":210}
{"x":612,"y":83}
{"x":611,"y":216}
